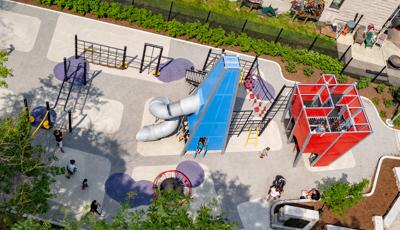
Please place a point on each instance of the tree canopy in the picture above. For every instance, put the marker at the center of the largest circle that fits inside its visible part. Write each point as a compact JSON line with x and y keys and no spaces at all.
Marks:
{"x":4,"y":71}
{"x":341,"y":196}
{"x":25,"y":172}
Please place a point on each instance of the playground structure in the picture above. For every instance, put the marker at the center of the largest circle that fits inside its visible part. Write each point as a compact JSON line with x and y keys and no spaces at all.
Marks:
{"x":210,"y":109}
{"x":151,"y":59}
{"x":172,"y":180}
{"x":325,"y":119}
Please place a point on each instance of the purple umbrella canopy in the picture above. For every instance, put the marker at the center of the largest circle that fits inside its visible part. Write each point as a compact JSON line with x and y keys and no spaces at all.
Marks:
{"x":174,"y":70}
{"x":75,"y":69}
{"x":193,"y":171}
{"x":39,"y":112}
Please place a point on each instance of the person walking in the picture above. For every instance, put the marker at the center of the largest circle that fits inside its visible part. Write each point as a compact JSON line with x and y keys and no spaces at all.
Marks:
{"x":85,"y":184}
{"x":71,"y":168}
{"x":59,"y":135}
{"x":94,"y":206}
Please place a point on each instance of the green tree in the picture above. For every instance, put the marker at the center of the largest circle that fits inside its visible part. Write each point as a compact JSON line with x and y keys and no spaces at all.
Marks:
{"x":4,"y":71}
{"x":168,"y":211}
{"x":340,"y":196}
{"x":25,"y":174}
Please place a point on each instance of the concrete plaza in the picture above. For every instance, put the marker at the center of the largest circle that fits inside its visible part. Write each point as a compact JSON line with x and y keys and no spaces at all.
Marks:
{"x":112,"y":108}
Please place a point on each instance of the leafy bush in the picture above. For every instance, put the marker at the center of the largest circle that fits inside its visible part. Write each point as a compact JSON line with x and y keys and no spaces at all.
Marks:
{"x":202,"y":32}
{"x":341,"y":196}
{"x":380,"y":88}
{"x":382,"y":114}
{"x":363,"y":83}
{"x":342,"y":78}
{"x":376,"y":101}
{"x":308,"y":71}
{"x":291,"y":67}
{"x":388,"y":103}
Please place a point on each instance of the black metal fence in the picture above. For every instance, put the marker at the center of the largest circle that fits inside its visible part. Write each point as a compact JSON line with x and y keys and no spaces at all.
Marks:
{"x":191,"y":13}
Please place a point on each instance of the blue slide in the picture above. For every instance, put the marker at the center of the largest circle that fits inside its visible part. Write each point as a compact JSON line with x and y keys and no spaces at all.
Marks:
{"x":217,"y":96}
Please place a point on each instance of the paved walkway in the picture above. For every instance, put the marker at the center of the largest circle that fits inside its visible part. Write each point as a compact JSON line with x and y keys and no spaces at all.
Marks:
{"x":115,"y":97}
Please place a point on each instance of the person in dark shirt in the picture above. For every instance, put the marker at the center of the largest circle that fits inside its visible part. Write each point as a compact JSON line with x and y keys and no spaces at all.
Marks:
{"x":59,"y":135}
{"x":94,"y":206}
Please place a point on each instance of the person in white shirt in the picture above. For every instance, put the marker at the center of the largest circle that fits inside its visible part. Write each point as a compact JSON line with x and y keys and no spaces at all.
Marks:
{"x":274,"y":193}
{"x":71,"y":168}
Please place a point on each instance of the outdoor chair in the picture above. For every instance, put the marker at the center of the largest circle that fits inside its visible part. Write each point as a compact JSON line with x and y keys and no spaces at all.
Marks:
{"x":369,"y":40}
{"x":269,"y":11}
{"x":359,"y":35}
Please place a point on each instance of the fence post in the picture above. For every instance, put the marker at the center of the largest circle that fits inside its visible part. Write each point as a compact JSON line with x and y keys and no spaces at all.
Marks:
{"x":277,"y":37}
{"x":345,"y":66}
{"x":170,"y":9}
{"x":76,"y":46}
{"x":223,"y":50}
{"x":26,"y":108}
{"x":362,"y":15}
{"x":133,"y":2}
{"x":345,"y":52}
{"x":244,"y":26}
{"x":124,"y":59}
{"x":48,"y":114}
{"x":69,"y":121}
{"x":208,"y":16}
{"x":205,"y":63}
{"x":380,"y":72}
{"x":84,"y":73}
{"x":312,"y":44}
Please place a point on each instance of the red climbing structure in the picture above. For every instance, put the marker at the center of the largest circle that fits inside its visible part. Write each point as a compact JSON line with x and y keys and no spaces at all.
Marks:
{"x":326,"y":120}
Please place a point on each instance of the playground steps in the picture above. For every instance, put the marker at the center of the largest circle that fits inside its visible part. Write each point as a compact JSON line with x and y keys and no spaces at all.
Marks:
{"x":252,"y":137}
{"x":194,"y":77}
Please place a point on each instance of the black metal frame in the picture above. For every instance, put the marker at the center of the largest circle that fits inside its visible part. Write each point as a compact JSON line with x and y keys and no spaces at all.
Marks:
{"x":100,"y":54}
{"x":152,"y":58}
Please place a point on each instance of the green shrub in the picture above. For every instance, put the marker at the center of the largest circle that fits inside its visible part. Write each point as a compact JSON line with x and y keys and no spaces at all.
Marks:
{"x":382,"y":114}
{"x":202,"y":32}
{"x":388,"y":103}
{"x":376,"y":101}
{"x":363,"y":83}
{"x":308,"y":71}
{"x":380,"y":88}
{"x":291,"y":67}
{"x":342,"y":79}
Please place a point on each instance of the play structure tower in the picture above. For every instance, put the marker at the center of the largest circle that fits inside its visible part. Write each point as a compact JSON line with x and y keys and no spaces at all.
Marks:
{"x":326,"y":119}
{"x":217,"y":97}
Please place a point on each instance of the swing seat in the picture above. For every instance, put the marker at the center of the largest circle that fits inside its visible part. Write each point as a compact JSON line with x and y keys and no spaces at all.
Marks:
{"x":269,"y":11}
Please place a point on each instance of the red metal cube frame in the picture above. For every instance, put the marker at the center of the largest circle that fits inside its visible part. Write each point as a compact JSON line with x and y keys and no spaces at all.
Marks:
{"x":337,"y":105}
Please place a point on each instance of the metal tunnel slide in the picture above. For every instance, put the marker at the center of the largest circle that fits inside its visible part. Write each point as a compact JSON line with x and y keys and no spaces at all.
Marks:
{"x":162,"y":108}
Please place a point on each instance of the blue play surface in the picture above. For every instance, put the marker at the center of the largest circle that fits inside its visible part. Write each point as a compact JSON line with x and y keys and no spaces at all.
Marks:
{"x":217,"y":93}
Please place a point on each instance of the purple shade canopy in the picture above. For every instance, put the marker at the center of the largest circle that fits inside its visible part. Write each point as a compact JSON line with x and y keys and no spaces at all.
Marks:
{"x":75,"y":69}
{"x":193,"y":171}
{"x":263,"y":90}
{"x":174,"y":70}
{"x":39,"y":112}
{"x":118,"y":186}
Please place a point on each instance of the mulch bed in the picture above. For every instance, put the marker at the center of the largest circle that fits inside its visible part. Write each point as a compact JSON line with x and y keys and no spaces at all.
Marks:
{"x":360,"y":216}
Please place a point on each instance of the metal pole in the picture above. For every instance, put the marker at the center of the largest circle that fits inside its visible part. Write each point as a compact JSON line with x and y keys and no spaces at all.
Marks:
{"x":48,"y":114}
{"x":312,"y":44}
{"x":170,"y":9}
{"x":76,"y":46}
{"x":244,"y":26}
{"x":26,"y":108}
{"x":251,"y":67}
{"x":377,"y":75}
{"x":345,"y":52}
{"x":124,"y":58}
{"x":223,"y":50}
{"x":345,"y":66}
{"x":158,"y":61}
{"x":133,"y":2}
{"x":65,"y":68}
{"x":143,"y":56}
{"x":357,"y":23}
{"x":208,"y":56}
{"x":208,"y":16}
{"x":69,"y":120}
{"x":355,"y":18}
{"x":84,"y":73}
{"x":277,"y":37}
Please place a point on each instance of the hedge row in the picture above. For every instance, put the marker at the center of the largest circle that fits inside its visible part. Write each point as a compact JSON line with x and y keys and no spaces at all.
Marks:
{"x":202,"y":32}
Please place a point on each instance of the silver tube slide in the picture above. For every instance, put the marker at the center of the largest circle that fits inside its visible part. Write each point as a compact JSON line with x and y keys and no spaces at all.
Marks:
{"x":161,"y":107}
